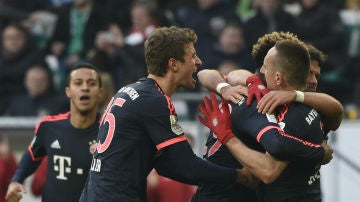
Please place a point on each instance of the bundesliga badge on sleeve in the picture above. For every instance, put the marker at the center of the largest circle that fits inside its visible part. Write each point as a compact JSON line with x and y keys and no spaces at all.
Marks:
{"x":175,"y":127}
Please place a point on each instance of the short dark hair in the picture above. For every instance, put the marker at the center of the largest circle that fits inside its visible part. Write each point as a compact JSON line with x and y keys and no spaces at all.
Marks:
{"x":264,"y":43}
{"x":84,"y":65}
{"x":293,"y":60}
{"x":165,"y":43}
{"x":316,"y":54}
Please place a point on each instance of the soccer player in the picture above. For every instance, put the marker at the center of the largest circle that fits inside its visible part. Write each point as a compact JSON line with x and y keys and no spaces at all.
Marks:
{"x":140,"y":130}
{"x":67,"y":139}
{"x":286,"y":67}
{"x":211,"y":78}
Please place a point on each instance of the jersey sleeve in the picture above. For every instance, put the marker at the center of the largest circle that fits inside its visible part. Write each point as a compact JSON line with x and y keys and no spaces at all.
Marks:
{"x":191,"y":169}
{"x":25,"y":169}
{"x":162,"y":123}
{"x":39,"y":178}
{"x":37,"y":146}
{"x":32,"y":156}
{"x":265,"y":130}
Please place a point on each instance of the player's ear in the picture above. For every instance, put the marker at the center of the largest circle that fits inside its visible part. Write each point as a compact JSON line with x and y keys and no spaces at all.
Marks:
{"x":67,"y":92}
{"x":172,"y":64}
{"x":278,"y":78}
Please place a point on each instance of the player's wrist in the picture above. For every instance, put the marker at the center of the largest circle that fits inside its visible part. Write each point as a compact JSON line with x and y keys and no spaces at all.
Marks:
{"x":300,"y":96}
{"x":227,"y":137}
{"x":221,"y":86}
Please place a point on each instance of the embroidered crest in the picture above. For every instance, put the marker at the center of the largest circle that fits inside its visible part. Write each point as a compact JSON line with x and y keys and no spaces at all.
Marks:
{"x":175,"y":127}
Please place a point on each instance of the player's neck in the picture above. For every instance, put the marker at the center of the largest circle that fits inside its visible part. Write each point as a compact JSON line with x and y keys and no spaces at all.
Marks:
{"x":79,"y":120}
{"x":166,"y":84}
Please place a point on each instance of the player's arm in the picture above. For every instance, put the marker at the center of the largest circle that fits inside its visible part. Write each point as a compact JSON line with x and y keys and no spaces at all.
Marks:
{"x":210,"y":78}
{"x":178,"y":162}
{"x":26,"y":167}
{"x":215,"y":82}
{"x":253,"y":86}
{"x":29,"y":162}
{"x":39,"y":178}
{"x":330,"y":108}
{"x":238,"y":77}
{"x":264,"y":166}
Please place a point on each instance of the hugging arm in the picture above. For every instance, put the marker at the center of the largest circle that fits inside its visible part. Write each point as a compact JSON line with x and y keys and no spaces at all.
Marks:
{"x":210,"y":79}
{"x":178,"y":162}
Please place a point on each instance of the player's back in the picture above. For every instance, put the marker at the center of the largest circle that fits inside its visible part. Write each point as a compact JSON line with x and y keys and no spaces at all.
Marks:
{"x":128,"y":136}
{"x":300,"y":181}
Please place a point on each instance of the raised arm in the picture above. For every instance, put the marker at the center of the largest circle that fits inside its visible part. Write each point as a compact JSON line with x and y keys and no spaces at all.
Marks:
{"x":215,"y":82}
{"x":238,"y":77}
{"x":210,"y":78}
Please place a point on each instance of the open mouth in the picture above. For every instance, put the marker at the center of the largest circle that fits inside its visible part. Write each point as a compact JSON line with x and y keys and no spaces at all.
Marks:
{"x":84,"y":99}
{"x":194,"y":75}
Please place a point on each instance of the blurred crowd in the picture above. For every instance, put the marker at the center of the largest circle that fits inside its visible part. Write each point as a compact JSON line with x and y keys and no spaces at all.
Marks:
{"x":41,"y":40}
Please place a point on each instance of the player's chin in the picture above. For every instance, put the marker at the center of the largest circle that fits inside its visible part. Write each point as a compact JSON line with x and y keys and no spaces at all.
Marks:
{"x":85,"y":109}
{"x":189,"y":85}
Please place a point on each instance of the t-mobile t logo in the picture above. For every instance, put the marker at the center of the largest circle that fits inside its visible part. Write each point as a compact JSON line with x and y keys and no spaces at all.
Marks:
{"x":62,"y":164}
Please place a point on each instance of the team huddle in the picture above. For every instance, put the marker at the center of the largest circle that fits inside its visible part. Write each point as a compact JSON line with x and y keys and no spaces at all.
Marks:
{"x":267,"y":140}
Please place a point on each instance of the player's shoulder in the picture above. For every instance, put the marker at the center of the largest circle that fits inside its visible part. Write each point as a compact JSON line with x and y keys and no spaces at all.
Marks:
{"x":144,"y":97}
{"x":52,"y":119}
{"x":144,"y":88}
{"x":55,"y":118}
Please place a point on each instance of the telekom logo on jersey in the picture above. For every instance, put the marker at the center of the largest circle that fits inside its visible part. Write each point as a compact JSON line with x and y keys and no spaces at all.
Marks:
{"x":60,"y":163}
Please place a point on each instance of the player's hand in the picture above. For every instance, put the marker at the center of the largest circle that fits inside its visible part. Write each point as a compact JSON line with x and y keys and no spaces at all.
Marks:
{"x":14,"y":192}
{"x":219,"y":121}
{"x":234,"y":93}
{"x":246,"y":178}
{"x":273,"y":99}
{"x":256,"y":88}
{"x":328,"y":155}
